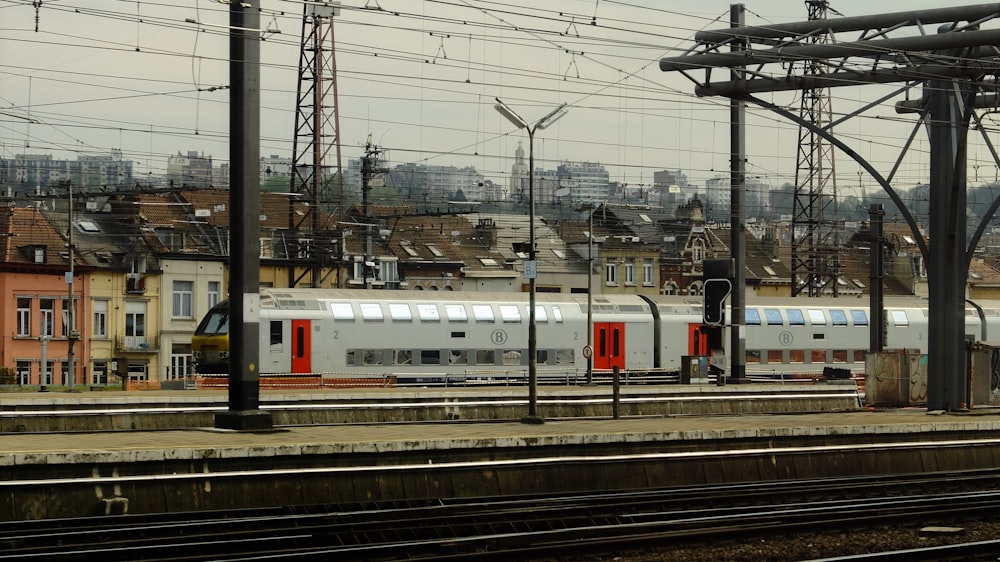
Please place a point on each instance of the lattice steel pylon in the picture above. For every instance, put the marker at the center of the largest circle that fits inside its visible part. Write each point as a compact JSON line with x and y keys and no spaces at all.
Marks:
{"x":317,"y":132}
{"x":815,"y":256}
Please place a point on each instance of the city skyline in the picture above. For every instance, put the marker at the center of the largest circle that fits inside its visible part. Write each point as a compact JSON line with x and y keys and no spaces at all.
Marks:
{"x":418,"y":80}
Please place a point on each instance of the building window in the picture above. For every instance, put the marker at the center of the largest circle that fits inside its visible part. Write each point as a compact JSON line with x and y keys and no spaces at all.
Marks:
{"x":100,"y":319}
{"x":99,"y":373}
{"x":47,"y":313}
{"x":46,"y":377}
{"x":135,"y":325}
{"x":23,"y":372}
{"x":213,"y":293}
{"x":66,"y":327}
{"x":647,"y":271}
{"x":611,"y":272}
{"x":389,"y":271}
{"x":183,"y":293}
{"x":23,"y":316}
{"x":630,"y":271}
{"x":138,"y":371}
{"x":697,"y":251}
{"x":180,"y":362}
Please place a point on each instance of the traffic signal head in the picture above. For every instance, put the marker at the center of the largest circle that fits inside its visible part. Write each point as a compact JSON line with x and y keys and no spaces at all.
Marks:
{"x":716,"y":292}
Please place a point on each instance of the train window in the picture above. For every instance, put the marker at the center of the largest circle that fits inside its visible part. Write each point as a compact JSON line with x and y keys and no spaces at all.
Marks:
{"x":458,"y":334}
{"x":402,"y":357}
{"x":541,"y":356}
{"x":456,"y":313}
{"x":899,"y":318}
{"x":859,"y":317}
{"x":275,"y":332}
{"x":371,"y":312}
{"x":819,"y":336}
{"x":349,"y":358}
{"x":818,"y":356}
{"x":775,"y":356}
{"x":796,"y":356}
{"x":795,"y":317}
{"x":773,"y":317}
{"x":342,"y":311}
{"x":372,"y":357}
{"x":816,"y":317}
{"x":400,"y":312}
{"x":458,"y":357}
{"x":485,"y":357}
{"x":840,"y":356}
{"x":752,"y":316}
{"x":430,"y":356}
{"x":753,"y":357}
{"x":539,"y":313}
{"x":510,"y":313}
{"x":838,"y":317}
{"x":428,"y":313}
{"x":511,"y":357}
{"x":483,"y":313}
{"x":564,"y":357}
{"x":557,"y":314}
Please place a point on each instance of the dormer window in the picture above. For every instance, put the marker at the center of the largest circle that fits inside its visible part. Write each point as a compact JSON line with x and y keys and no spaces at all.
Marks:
{"x":35,"y":254}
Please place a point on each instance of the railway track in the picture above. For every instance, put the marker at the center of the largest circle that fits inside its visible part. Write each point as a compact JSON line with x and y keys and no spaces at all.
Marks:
{"x":526,"y":528}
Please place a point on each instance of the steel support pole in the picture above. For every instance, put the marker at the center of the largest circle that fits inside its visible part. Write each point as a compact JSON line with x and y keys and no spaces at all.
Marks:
{"x":738,"y":166}
{"x":876,"y":273}
{"x":244,"y":199}
{"x":947,"y":267}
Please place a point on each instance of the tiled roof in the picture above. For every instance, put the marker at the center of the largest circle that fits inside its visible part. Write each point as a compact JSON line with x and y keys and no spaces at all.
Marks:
{"x":24,"y":229}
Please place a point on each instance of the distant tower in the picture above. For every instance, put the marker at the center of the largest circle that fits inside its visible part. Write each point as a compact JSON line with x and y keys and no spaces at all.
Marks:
{"x":317,"y":131}
{"x":815,"y":259}
{"x":518,"y":172}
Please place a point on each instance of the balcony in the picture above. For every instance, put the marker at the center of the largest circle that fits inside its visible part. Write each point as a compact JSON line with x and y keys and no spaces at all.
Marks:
{"x":137,"y":344}
{"x":135,"y":284}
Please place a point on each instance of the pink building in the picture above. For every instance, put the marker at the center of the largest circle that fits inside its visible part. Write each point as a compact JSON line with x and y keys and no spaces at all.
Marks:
{"x":34,"y":265}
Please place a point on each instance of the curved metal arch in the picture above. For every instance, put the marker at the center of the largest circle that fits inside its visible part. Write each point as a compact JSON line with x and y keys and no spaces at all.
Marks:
{"x":907,"y":215}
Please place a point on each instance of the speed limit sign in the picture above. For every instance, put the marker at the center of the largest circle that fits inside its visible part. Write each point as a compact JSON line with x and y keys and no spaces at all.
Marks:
{"x":588,"y":351}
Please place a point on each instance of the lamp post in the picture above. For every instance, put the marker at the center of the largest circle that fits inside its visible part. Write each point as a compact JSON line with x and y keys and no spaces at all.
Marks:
{"x":590,"y":293}
{"x":530,"y":266}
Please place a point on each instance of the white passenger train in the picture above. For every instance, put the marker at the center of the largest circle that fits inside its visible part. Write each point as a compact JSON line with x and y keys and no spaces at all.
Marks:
{"x":428,"y":336}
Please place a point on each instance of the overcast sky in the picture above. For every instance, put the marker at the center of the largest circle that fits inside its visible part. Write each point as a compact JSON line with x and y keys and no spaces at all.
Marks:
{"x":420,"y":78}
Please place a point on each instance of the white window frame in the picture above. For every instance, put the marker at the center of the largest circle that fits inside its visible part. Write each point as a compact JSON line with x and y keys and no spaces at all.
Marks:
{"x":182,"y":301}
{"x":100,"y":315}
{"x":647,"y":271}
{"x":23,"y":317}
{"x":611,"y":272}
{"x":214,"y":292}
{"x":630,"y":271}
{"x":47,"y":317}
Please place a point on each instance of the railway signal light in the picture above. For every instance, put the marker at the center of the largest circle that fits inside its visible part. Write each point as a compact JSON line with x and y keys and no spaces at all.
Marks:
{"x":716,"y":292}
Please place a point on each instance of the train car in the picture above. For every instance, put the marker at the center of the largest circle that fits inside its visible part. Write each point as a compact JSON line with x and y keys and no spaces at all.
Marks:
{"x":420,"y":337}
{"x":440,"y":336}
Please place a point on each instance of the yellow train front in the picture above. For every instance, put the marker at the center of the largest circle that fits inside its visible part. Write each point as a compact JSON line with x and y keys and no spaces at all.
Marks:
{"x":210,"y":341}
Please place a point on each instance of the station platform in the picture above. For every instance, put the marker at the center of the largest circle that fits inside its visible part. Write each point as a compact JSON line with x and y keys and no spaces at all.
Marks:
{"x":72,"y":474}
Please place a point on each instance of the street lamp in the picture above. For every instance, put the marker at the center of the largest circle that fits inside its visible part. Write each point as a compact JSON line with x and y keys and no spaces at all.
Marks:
{"x":530,"y":266}
{"x":589,"y":207}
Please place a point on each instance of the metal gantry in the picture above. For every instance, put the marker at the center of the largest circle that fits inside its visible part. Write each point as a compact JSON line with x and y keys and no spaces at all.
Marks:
{"x":956,"y":62}
{"x":317,"y":133}
{"x":815,"y":259}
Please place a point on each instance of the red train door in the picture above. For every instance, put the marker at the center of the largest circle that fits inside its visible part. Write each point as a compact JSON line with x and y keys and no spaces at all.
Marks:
{"x":697,"y":340}
{"x":609,"y":345}
{"x":301,"y":346}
